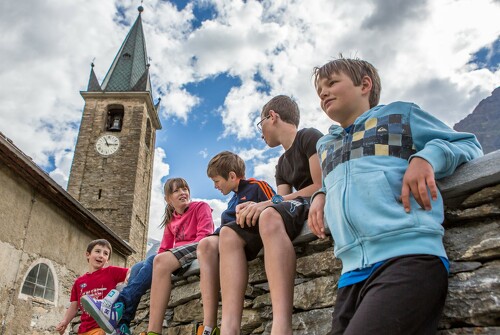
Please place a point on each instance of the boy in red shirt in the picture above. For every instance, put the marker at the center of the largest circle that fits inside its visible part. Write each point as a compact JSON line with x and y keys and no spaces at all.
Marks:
{"x":98,"y":282}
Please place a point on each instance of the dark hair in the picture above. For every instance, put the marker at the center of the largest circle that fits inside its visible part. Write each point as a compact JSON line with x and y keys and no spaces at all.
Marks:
{"x":170,"y":186}
{"x":225,"y":162}
{"x":102,"y":242}
{"x":355,"y":69}
{"x":285,"y":106}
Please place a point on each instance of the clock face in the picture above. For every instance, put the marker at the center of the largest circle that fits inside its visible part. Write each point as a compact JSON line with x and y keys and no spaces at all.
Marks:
{"x":107,"y":145}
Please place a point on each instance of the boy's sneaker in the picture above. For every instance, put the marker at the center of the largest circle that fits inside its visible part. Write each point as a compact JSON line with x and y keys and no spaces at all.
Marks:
{"x":106,"y":316}
{"x":201,"y":329}
{"x":123,"y":330}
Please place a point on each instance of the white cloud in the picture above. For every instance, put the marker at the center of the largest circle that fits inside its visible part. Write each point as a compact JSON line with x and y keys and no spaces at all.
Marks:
{"x":420,"y":48}
{"x":178,"y":102}
{"x":160,"y":170}
{"x":218,"y":206}
{"x":204,"y":153}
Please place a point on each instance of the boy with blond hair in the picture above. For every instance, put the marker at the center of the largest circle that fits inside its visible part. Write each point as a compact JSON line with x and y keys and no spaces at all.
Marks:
{"x":279,"y":220}
{"x":227,"y":171}
{"x":381,"y":203}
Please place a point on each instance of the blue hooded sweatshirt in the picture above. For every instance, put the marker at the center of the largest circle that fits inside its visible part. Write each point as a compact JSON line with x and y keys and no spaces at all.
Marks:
{"x":362,"y":178}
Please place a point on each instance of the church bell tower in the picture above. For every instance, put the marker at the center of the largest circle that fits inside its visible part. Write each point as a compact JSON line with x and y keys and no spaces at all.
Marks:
{"x":112,"y":168}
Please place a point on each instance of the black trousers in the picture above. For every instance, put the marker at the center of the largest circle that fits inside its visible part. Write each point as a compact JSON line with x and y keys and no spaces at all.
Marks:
{"x":406,"y":295}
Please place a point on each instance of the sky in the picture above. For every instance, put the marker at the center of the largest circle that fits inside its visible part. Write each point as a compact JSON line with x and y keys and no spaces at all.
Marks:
{"x":215,"y":63}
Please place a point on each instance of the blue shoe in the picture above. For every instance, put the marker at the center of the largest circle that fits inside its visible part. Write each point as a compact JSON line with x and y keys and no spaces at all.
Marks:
{"x":106,"y":316}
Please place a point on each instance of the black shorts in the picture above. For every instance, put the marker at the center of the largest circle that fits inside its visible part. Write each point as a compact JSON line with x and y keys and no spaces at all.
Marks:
{"x":294,"y":214}
{"x":405,"y":295}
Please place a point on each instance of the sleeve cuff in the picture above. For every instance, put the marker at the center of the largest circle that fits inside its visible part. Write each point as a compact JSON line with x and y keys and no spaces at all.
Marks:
{"x":321,"y":190}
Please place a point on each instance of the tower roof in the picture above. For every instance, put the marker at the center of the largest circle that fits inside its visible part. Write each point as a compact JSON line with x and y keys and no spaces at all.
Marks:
{"x":130,"y":65}
{"x":93,"y":85}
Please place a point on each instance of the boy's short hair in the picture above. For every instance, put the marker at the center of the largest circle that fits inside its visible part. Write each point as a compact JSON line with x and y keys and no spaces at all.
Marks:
{"x":285,"y":106}
{"x":355,"y":69}
{"x":102,"y":242}
{"x":225,"y":162}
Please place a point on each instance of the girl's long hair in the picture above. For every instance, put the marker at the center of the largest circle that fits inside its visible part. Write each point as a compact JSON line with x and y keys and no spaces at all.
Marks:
{"x":170,"y":186}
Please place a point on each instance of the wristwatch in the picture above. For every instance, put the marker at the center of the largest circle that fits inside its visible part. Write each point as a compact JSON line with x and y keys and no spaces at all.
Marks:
{"x":276,"y":199}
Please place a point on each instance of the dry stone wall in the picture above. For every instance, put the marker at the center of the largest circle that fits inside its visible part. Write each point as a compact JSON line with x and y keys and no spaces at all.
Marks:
{"x":472,"y":241}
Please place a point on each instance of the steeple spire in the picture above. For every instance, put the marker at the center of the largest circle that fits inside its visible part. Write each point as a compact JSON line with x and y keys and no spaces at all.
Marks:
{"x":93,"y":85}
{"x":131,"y":63}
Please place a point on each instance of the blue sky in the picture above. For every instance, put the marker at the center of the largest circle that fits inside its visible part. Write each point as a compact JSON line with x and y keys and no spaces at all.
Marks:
{"x":214,"y":63}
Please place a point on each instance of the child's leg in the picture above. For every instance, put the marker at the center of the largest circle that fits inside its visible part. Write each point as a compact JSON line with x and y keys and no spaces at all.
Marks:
{"x":139,"y":282}
{"x":163,"y":266}
{"x":234,"y":271}
{"x":208,"y":259}
{"x":280,"y":262}
{"x":406,"y":295}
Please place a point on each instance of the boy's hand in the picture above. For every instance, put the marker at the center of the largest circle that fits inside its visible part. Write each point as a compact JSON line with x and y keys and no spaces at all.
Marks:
{"x":248,"y":213}
{"x":61,"y":327}
{"x":315,"y":219}
{"x":419,"y":180}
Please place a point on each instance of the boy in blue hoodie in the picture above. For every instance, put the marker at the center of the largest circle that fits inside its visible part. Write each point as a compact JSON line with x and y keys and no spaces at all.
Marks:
{"x":381,"y":203}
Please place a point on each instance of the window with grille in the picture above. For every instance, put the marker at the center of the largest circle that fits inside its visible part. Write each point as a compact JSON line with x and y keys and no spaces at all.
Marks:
{"x":40,"y":283}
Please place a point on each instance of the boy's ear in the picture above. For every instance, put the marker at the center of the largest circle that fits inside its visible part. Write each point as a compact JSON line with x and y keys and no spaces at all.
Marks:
{"x":273,"y":114}
{"x":366,"y":85}
{"x":232,"y":175}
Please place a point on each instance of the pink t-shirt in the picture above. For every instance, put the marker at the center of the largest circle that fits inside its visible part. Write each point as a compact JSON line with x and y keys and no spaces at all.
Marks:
{"x":96,"y":284}
{"x":191,"y":226}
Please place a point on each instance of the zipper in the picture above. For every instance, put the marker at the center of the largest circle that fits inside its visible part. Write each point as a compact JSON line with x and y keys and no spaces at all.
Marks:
{"x":352,"y":228}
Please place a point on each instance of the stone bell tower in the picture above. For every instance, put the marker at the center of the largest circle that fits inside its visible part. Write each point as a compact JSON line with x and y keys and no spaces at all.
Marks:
{"x":112,"y":167}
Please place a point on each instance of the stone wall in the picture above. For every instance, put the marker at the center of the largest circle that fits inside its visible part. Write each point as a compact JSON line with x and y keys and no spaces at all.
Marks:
{"x":472,"y":241}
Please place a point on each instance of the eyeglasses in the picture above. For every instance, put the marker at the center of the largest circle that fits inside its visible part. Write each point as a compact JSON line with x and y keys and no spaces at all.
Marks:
{"x":259,"y":124}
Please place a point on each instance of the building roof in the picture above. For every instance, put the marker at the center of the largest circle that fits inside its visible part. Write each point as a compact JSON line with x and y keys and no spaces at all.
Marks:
{"x":93,"y":82}
{"x":130,"y":63}
{"x":129,"y":71}
{"x":22,"y":165}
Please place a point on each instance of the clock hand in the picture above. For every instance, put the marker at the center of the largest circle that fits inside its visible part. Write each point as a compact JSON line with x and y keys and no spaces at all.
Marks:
{"x":105,"y":140}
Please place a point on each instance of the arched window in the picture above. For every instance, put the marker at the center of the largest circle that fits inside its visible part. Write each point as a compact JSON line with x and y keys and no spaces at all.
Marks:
{"x":40,"y":283}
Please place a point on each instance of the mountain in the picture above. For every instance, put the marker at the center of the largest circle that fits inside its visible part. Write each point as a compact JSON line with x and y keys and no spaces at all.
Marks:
{"x":152,"y":247}
{"x":484,"y":122}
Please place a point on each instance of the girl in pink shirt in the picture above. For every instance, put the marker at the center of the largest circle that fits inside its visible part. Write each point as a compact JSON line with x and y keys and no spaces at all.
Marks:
{"x":186,"y":222}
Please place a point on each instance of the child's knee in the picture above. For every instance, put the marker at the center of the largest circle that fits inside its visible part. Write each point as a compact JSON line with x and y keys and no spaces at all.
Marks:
{"x":270,"y":222}
{"x":229,"y":237}
{"x":164,"y":261}
{"x":207,"y":246}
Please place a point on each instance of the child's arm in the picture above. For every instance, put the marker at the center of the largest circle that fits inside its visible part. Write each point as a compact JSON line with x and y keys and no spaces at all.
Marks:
{"x":315,"y":219}
{"x":315,"y":171}
{"x":68,"y":316}
{"x":247,"y":213}
{"x":205,"y":225}
{"x":440,"y":150}
{"x":419,"y":181}
{"x":167,"y":241}
{"x":127,"y":277}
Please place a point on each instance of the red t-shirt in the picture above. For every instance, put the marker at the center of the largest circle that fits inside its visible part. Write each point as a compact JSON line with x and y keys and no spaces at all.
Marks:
{"x":96,"y":284}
